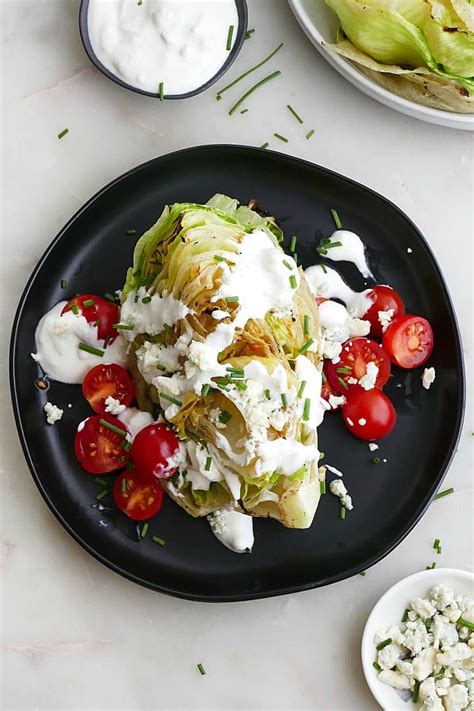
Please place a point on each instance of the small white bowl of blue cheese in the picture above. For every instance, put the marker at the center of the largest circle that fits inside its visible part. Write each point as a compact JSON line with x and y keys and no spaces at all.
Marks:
{"x":418,"y":643}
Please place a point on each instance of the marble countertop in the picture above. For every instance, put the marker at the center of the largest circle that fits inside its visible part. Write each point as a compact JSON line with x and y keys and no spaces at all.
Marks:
{"x":74,"y":634}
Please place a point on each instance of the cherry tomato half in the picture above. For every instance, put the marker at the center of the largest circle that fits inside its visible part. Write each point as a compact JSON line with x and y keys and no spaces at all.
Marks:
{"x":152,"y":448}
{"x":327,"y":390}
{"x":409,"y":341}
{"x":354,"y":357}
{"x":96,"y":309}
{"x":138,"y":497}
{"x":369,"y":414}
{"x":384,"y":299}
{"x":105,"y":381}
{"x":100,"y":449}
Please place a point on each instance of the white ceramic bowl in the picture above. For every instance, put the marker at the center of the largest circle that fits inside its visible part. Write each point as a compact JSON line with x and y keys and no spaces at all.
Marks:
{"x":320,"y":24}
{"x":389,"y":610}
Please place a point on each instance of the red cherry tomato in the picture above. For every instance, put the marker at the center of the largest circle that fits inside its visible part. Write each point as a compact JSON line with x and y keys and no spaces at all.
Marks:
{"x":138,"y":497}
{"x":354,"y":357}
{"x":95,"y":308}
{"x":327,"y":390}
{"x":409,"y":341}
{"x":152,"y":448}
{"x":98,"y":448}
{"x":369,"y":414}
{"x":105,"y":381}
{"x":384,"y":299}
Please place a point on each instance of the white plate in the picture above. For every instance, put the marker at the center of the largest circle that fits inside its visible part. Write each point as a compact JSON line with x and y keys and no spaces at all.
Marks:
{"x":389,"y":610}
{"x":320,"y":23}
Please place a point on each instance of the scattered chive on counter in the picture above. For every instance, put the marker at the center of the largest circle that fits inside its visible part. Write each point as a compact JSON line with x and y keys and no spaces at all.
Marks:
{"x":281,"y":138}
{"x":249,"y":33}
{"x":249,"y":71}
{"x":310,"y":134}
{"x":441,"y":494}
{"x":201,"y":669}
{"x":264,"y":145}
{"x":256,"y":86}
{"x":63,"y":133}
{"x":161,"y":91}
{"x":292,"y":111}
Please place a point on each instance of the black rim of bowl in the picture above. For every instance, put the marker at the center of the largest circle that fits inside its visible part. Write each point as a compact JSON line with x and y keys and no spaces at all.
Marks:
{"x":239,"y":40}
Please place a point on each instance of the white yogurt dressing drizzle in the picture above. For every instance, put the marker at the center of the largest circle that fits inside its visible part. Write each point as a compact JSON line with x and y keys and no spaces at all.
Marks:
{"x":182,"y":43}
{"x":57,"y":343}
{"x":233,"y":529}
{"x":351,"y":249}
{"x":328,"y":283}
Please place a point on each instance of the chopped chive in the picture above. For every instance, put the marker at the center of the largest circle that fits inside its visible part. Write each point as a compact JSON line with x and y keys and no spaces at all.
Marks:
{"x":436,"y":544}
{"x":224,"y":417}
{"x":113,"y":428}
{"x":129,"y":466}
{"x":362,"y":572}
{"x":287,"y":264}
{"x":322,"y":487}
{"x":295,"y":257}
{"x":88,"y":302}
{"x":322,"y":251}
{"x":123,"y":485}
{"x":342,"y":382}
{"x":446,"y":492}
{"x":146,"y":299}
{"x":343,"y":370}
{"x":342,"y":513}
{"x":159,"y":541}
{"x":171,"y":399}
{"x":99,"y":481}
{"x":405,"y":615}
{"x":268,"y":394}
{"x":63,"y":133}
{"x":244,"y":111}
{"x":230,"y":34}
{"x":235,"y":371}
{"x":202,"y":671}
{"x":240,"y":385}
{"x":106,"y":343}
{"x":207,"y":466}
{"x":101,"y":494}
{"x":335,"y":217}
{"x":306,"y":324}
{"x":292,"y":111}
{"x":306,"y":345}
{"x":293,"y":282}
{"x":383,"y":644}
{"x":123,"y":326}
{"x":281,"y":138}
{"x":330,"y":245}
{"x":205,"y":390}
{"x":324,"y":268}
{"x":439,"y":550}
{"x":161,"y":91}
{"x":252,"y":89}
{"x":465,"y":623}
{"x":376,"y":666}
{"x":217,"y":258}
{"x":126,"y":445}
{"x":264,"y":145}
{"x":306,"y":407}
{"x":293,"y":243}
{"x":376,"y":460}
{"x":144,"y":529}
{"x":249,"y":33}
{"x":231,"y":299}
{"x":90,"y":349}
{"x":131,"y":232}
{"x":416,"y":692}
{"x":321,"y":455}
{"x":284,"y":400}
{"x":63,"y":284}
{"x":310,"y":134}
{"x":249,"y":71}
{"x":74,"y":309}
{"x":109,"y":296}
{"x":302,"y":387}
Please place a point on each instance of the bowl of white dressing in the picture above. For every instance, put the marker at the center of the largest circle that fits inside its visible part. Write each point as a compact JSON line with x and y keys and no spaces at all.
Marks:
{"x":166,"y":49}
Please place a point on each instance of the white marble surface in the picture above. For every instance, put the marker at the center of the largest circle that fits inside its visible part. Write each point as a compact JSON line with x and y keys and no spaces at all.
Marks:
{"x":74,"y":634}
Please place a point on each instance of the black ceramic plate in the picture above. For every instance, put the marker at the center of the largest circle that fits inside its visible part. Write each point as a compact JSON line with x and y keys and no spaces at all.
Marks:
{"x":93,"y":251}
